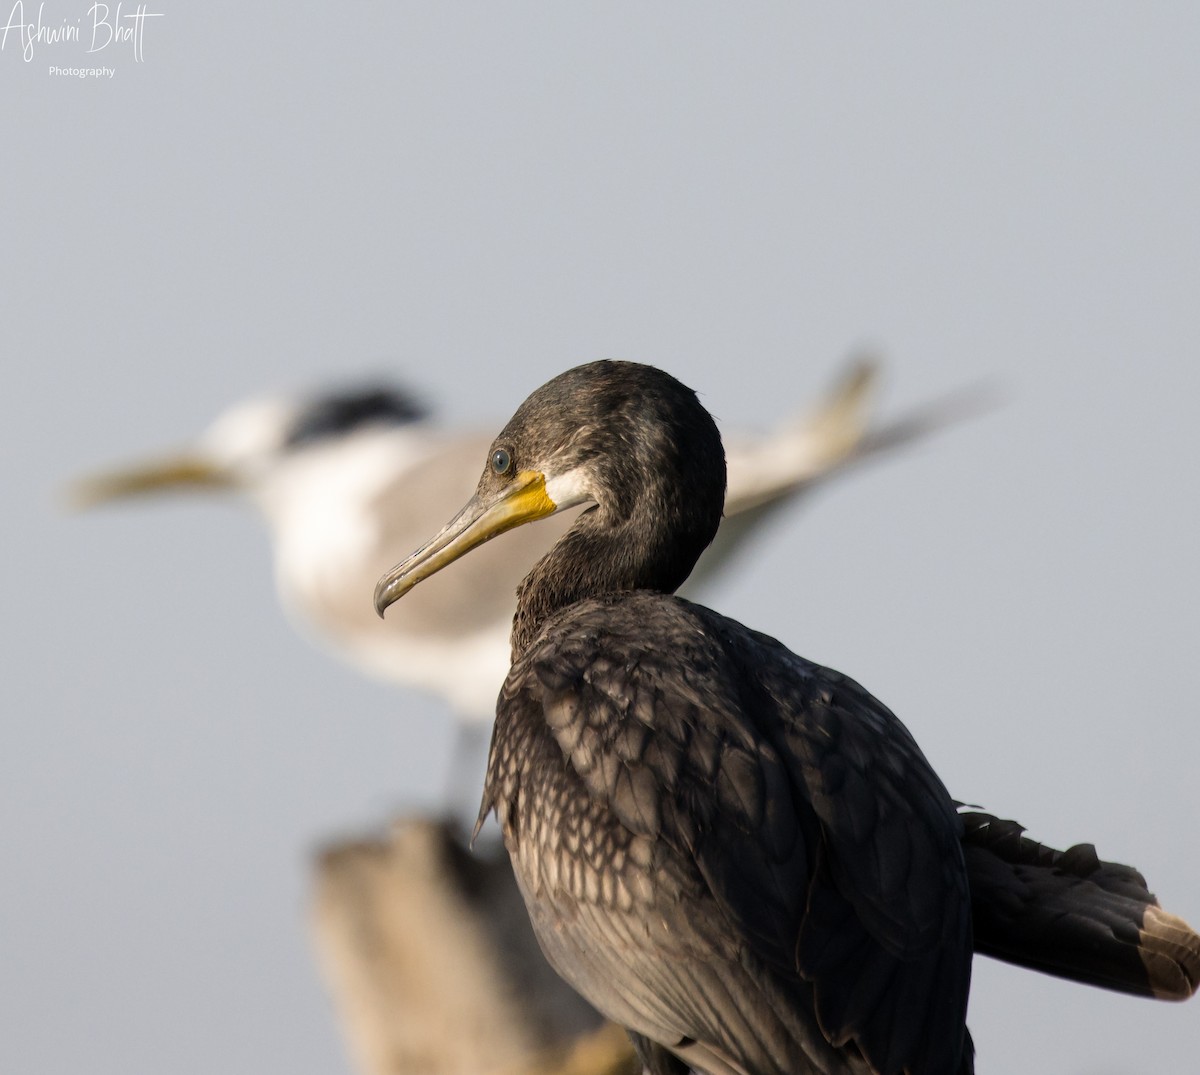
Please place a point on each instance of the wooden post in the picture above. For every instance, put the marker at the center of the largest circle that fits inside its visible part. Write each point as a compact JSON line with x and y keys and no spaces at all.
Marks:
{"x":434,"y":967}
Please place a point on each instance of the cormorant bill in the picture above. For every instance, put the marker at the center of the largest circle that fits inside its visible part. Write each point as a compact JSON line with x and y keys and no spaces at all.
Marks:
{"x":739,"y":855}
{"x":345,"y":479}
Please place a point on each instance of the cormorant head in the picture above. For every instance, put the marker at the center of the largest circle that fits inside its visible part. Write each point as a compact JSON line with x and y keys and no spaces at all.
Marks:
{"x":626,"y":438}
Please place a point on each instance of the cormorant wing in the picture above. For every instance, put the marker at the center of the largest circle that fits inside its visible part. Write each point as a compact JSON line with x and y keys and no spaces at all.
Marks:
{"x":819,"y":834}
{"x":887,"y":932}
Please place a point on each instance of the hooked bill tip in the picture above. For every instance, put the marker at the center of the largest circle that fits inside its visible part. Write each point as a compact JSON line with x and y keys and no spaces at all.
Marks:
{"x":389,"y":589}
{"x":382,"y":600}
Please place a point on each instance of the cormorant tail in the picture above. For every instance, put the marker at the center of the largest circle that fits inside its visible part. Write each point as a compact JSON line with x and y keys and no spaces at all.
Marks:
{"x":1070,"y":914}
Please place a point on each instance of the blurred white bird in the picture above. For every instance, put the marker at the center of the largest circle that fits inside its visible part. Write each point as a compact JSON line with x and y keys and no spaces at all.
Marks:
{"x":344,"y":480}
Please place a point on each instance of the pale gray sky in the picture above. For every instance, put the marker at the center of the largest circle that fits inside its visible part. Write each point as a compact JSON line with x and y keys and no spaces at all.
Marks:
{"x":474,"y":198}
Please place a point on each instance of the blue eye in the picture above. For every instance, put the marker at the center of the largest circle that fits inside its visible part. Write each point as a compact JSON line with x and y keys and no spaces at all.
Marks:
{"x":501,"y":461}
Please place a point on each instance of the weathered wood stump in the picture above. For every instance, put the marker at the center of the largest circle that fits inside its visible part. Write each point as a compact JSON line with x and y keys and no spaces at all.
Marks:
{"x":434,"y":967}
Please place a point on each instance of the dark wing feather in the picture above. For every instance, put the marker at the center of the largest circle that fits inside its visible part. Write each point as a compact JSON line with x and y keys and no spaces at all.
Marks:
{"x":811,"y":821}
{"x":887,"y":935}
{"x":661,"y":737}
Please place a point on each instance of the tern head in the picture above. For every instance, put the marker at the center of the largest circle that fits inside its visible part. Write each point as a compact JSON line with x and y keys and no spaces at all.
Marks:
{"x":250,"y":445}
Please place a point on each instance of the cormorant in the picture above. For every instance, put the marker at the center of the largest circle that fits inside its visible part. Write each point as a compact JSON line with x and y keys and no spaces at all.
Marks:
{"x":739,"y":855}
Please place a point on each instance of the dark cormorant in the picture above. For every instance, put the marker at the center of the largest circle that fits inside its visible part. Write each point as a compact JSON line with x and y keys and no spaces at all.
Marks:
{"x":739,"y":855}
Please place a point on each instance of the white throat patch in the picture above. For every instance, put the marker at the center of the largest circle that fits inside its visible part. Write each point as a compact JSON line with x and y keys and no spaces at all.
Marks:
{"x":567,"y":490}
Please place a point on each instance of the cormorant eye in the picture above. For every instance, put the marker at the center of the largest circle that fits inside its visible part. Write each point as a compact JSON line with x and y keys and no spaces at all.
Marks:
{"x":501,"y":461}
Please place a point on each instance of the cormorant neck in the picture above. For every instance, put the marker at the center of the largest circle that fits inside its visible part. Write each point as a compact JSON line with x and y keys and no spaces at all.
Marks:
{"x":595,"y":558}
